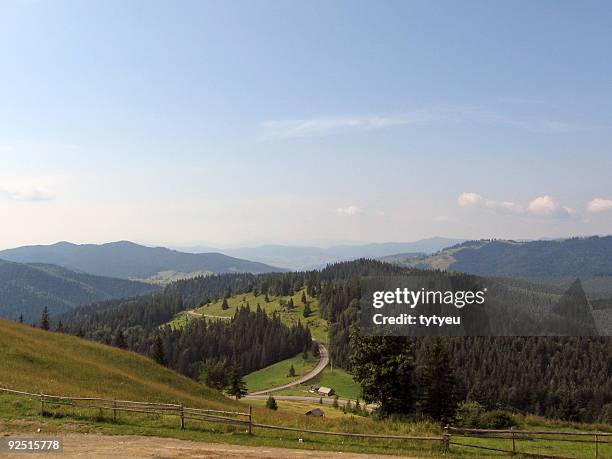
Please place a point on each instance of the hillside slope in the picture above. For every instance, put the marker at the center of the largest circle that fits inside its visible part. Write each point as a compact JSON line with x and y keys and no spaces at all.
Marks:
{"x":27,"y":288}
{"x":300,"y":257}
{"x":130,"y":261}
{"x":35,"y":360}
{"x":557,"y":262}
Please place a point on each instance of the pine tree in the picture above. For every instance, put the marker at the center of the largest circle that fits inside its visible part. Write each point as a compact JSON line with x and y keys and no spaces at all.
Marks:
{"x":237,"y":386}
{"x":20,"y":318}
{"x":224,"y":305}
{"x":267,"y":299}
{"x":214,"y":374}
{"x":307,"y":311}
{"x":290,"y":304}
{"x":158,"y":351}
{"x":291,"y":371}
{"x":304,"y":301}
{"x":384,"y":366}
{"x":59,"y":327}
{"x":121,"y":343}
{"x":271,"y":403}
{"x":44,"y":319}
{"x":438,"y":383}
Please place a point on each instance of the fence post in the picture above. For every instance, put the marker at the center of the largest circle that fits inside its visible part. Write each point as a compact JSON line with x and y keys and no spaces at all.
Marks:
{"x":250,"y":419}
{"x":513,"y":442}
{"x":114,"y":410}
{"x":182,"y":416}
{"x":42,"y":404}
{"x":596,"y":446}
{"x":446,"y":438}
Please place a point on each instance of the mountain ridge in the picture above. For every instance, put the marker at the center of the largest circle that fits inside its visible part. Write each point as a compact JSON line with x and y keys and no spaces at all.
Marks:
{"x":27,"y":288}
{"x":128,"y":260}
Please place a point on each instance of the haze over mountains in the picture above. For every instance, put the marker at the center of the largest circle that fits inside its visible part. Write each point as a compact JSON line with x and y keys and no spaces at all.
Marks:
{"x":28,"y":288}
{"x":308,"y":257}
{"x":558,"y":262}
{"x":128,"y":260}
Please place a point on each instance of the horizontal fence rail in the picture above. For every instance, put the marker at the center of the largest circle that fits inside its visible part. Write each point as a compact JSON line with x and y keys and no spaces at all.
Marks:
{"x":246,"y":419}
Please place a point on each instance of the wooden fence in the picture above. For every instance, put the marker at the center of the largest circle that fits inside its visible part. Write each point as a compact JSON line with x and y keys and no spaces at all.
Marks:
{"x":115,"y":406}
{"x":514,"y":436}
{"x":246,"y":419}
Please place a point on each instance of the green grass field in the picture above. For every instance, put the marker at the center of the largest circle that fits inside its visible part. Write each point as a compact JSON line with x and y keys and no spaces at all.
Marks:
{"x":318,"y":326}
{"x":338,"y":379}
{"x":34,"y":360}
{"x":278,"y":374}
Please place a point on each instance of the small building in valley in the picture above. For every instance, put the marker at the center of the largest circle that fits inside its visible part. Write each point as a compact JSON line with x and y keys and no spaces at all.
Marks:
{"x":327,"y":391}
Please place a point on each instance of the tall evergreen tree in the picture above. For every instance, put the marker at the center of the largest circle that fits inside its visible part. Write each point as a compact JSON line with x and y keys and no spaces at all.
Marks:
{"x":158,"y":353}
{"x":438,"y":384}
{"x":224,"y":305}
{"x":120,"y":342}
{"x":237,"y":386}
{"x":384,"y":366}
{"x":214,"y":374}
{"x":44,"y":319}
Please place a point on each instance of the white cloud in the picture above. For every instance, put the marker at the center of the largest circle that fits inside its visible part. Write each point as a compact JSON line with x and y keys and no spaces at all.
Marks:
{"x":349,"y":211}
{"x":26,"y":189}
{"x":5,"y":149}
{"x":542,"y":206}
{"x":469,"y":199}
{"x":545,"y":206}
{"x":293,"y":128}
{"x":599,"y":205}
{"x":505,"y":206}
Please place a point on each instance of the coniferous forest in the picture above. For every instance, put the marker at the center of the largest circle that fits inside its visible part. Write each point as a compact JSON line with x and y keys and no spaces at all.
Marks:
{"x":559,"y":377}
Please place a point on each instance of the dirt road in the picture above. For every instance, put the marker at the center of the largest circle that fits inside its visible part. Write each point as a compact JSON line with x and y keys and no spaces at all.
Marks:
{"x":323,"y":362}
{"x":94,"y":446}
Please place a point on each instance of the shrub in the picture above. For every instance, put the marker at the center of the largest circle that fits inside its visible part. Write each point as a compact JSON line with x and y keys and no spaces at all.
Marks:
{"x":497,"y":419}
{"x":468,"y":414}
{"x":271,"y":403}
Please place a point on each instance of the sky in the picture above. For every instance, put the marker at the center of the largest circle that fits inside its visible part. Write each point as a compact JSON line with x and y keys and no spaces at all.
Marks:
{"x":252,"y":122}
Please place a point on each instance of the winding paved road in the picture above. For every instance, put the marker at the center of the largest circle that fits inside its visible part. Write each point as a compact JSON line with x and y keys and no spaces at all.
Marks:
{"x":316,"y":371}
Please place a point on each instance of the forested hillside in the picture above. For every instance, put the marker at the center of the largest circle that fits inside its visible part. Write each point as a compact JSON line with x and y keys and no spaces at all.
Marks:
{"x":26,"y":289}
{"x":127,"y":260}
{"x":569,"y":378}
{"x":558,"y":262}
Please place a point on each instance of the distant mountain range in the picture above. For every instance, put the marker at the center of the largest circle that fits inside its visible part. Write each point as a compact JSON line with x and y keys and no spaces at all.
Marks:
{"x":27,"y":288}
{"x":305,"y":257}
{"x":557,"y":262}
{"x":127,"y":260}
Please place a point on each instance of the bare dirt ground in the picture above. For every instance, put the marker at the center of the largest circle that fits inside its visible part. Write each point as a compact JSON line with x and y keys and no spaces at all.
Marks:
{"x":93,"y":446}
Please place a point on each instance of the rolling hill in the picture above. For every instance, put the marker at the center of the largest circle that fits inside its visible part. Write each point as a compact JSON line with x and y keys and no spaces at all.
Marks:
{"x":127,"y":260}
{"x":556,"y":262}
{"x":27,"y":288}
{"x":304,"y":257}
{"x":34,"y":360}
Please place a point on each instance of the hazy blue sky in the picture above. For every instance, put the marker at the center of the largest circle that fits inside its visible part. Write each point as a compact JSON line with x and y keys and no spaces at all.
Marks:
{"x":303,"y":122}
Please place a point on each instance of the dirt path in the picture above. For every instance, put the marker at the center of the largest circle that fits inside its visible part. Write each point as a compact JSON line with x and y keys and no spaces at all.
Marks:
{"x":307,"y":399}
{"x":94,"y":446}
{"x":191,"y":312}
{"x":316,"y":371}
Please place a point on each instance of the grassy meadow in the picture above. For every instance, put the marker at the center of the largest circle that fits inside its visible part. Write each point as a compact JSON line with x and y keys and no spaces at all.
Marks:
{"x":278,"y":374}
{"x":34,"y":360}
{"x":318,"y":326}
